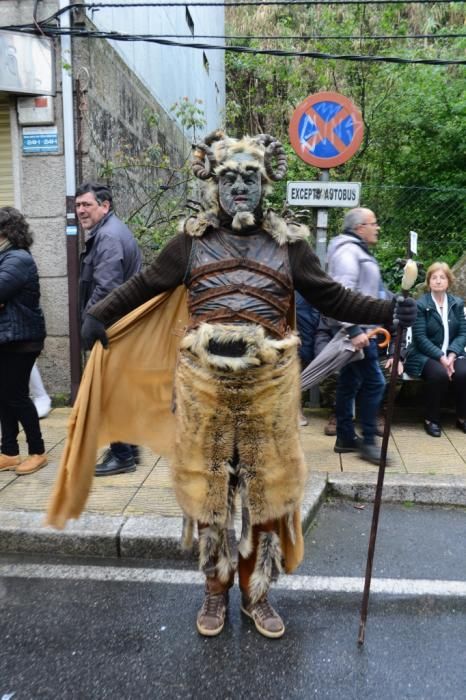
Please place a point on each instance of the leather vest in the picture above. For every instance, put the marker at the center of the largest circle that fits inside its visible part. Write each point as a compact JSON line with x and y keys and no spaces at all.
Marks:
{"x":238,"y":278}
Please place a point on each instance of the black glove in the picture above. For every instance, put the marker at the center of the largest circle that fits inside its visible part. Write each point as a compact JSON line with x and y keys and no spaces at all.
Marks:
{"x":405,"y":311}
{"x":93,"y":330}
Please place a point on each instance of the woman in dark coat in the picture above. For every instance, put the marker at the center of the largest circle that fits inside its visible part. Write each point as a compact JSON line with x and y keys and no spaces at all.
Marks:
{"x":22,"y":333}
{"x":437,"y":351}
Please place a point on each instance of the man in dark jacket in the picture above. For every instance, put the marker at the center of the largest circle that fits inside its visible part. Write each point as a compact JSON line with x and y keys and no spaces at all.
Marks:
{"x":111,"y":256}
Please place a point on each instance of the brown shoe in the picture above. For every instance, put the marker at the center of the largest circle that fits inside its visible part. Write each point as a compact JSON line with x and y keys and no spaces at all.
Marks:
{"x":9,"y":462}
{"x":331,"y":427}
{"x":32,"y":464}
{"x":268,"y":622}
{"x":211,"y":617}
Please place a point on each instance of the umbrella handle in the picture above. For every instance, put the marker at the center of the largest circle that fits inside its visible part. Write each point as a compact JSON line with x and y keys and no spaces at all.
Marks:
{"x":380,"y":331}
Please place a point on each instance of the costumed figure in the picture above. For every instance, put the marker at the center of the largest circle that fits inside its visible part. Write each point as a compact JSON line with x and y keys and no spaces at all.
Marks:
{"x":237,"y":376}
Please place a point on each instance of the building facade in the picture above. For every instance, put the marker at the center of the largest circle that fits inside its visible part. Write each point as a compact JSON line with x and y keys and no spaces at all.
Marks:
{"x":101,"y":98}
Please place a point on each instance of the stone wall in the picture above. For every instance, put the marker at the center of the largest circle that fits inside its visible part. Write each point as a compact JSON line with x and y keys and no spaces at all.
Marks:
{"x":114,"y":110}
{"x":110,"y":112}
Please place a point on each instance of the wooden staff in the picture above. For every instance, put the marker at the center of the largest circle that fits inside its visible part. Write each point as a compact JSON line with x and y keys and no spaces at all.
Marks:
{"x":409,"y":278}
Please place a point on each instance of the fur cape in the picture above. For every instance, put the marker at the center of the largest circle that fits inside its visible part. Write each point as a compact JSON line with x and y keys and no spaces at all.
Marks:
{"x":279,"y":229}
{"x":237,"y":429}
{"x":126,"y":394}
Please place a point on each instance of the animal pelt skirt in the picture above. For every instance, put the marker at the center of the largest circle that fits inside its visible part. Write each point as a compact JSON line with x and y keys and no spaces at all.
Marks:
{"x":237,"y":428}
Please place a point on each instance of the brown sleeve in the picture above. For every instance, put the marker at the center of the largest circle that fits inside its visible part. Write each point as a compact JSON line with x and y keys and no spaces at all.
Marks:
{"x":330,"y":297}
{"x":166,"y":272}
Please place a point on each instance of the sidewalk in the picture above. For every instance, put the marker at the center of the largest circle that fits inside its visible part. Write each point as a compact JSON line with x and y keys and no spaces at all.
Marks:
{"x":137,"y":515}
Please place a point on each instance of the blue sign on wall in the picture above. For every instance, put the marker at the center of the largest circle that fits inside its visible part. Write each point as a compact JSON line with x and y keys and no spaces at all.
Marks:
{"x":40,"y":139}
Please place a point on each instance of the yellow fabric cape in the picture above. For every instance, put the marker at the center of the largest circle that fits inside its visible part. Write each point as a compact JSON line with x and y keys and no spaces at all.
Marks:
{"x":126,"y":395}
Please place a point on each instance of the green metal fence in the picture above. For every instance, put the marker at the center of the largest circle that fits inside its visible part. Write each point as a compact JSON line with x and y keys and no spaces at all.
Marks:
{"x":437,"y":214}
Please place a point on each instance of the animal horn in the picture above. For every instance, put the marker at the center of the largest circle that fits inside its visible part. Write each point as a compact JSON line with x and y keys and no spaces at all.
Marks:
{"x":273,"y":150}
{"x":201,"y":152}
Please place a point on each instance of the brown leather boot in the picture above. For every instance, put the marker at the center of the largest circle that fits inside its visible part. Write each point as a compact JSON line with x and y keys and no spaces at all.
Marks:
{"x":9,"y":462}
{"x":211,"y":616}
{"x":267,"y":621}
{"x":32,"y":464}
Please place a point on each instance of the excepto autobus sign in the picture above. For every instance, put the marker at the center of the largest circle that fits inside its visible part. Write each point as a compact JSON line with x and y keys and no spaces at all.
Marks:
{"x":323,"y":194}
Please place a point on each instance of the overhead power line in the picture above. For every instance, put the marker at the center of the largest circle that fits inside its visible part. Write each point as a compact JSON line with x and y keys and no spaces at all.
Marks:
{"x":308,"y":37}
{"x":269,"y":37}
{"x":116,"y":36}
{"x":311,"y":37}
{"x":248,"y":3}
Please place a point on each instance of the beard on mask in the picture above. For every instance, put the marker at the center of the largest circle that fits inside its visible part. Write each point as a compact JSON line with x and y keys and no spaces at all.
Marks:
{"x":243,"y":220}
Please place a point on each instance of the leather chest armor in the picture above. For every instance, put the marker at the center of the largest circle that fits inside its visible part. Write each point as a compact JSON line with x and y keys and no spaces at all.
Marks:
{"x":238,"y":278}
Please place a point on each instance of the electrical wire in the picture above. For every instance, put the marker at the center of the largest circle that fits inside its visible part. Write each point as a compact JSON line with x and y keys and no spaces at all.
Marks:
{"x":280,"y":37}
{"x":115,"y":36}
{"x":244,"y":3}
{"x":313,"y":37}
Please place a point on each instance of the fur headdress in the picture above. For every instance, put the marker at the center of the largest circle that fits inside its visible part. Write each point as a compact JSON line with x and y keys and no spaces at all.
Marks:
{"x":219,"y":153}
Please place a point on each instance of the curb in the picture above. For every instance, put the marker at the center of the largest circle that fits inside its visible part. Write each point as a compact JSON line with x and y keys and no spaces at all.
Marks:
{"x":145,"y":537}
{"x":420,"y":489}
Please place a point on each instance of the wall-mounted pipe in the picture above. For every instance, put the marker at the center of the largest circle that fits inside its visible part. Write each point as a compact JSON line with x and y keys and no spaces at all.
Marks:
{"x":72,"y":249}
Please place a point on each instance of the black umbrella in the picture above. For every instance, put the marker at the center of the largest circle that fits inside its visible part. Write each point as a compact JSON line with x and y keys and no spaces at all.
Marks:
{"x":336,"y":354}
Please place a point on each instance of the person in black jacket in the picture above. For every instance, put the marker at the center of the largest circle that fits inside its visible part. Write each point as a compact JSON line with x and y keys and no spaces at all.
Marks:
{"x":111,"y":256}
{"x":22,"y":333}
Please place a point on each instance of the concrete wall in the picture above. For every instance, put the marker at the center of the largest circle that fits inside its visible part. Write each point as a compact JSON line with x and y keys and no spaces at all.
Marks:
{"x":114,"y":109}
{"x":169,"y":72}
{"x":20,"y":11}
{"x":40,"y":195}
{"x":111,"y":110}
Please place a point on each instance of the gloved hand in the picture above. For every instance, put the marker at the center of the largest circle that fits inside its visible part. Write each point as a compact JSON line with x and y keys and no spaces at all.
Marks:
{"x":93,"y":330}
{"x":405,"y":311}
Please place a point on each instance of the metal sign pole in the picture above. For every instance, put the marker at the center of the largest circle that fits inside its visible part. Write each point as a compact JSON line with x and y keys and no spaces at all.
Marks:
{"x":322,"y":225}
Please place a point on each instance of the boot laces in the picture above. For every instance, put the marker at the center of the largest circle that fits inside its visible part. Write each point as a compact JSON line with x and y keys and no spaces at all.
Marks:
{"x":213,"y":604}
{"x":264,"y":610}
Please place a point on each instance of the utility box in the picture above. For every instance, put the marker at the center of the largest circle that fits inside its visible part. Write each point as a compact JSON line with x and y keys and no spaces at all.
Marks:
{"x":34,"y":111}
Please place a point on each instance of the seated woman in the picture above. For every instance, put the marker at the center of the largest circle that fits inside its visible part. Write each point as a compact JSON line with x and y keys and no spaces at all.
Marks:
{"x":437,"y":350}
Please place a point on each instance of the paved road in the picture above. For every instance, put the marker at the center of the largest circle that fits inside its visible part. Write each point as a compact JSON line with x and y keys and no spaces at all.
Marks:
{"x":74,"y":629}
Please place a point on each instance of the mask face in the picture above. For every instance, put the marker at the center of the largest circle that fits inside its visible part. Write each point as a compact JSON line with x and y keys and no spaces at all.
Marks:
{"x":240,"y":191}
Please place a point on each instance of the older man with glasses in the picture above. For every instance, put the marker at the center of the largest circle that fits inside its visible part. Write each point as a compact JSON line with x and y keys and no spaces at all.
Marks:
{"x":351,"y":263}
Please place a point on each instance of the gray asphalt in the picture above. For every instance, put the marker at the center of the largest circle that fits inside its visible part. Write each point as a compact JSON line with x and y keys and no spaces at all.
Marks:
{"x":412,"y":541}
{"x":108,"y":639}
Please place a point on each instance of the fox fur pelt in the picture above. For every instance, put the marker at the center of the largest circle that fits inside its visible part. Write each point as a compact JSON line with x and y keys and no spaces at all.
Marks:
{"x":248,"y":408}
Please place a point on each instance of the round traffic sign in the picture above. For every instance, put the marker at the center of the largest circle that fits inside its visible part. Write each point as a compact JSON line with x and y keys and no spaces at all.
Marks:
{"x":326,"y":129}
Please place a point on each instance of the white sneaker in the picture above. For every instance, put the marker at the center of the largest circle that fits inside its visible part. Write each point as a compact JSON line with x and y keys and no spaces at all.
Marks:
{"x":43,"y":405}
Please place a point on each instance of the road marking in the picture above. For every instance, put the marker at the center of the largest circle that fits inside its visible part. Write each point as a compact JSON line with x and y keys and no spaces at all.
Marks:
{"x":312,"y":584}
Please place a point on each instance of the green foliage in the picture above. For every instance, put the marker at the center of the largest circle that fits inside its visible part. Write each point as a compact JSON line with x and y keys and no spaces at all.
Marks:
{"x":190,"y":114}
{"x":154,"y":181}
{"x":411,"y":161}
